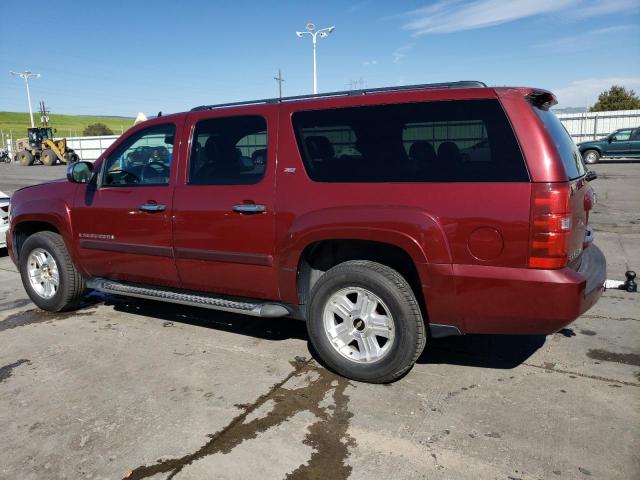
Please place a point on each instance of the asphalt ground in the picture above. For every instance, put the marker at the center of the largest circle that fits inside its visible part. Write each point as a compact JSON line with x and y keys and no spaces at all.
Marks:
{"x":132,"y":389}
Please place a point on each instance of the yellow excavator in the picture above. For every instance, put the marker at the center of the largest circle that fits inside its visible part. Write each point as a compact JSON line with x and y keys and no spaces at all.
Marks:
{"x":41,"y":147}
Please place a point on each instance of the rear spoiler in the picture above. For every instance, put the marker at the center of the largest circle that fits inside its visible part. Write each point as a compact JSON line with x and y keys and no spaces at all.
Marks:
{"x":543,"y":99}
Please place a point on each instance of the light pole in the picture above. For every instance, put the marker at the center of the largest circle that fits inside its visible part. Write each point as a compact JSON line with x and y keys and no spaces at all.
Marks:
{"x":26,"y":75}
{"x":323,"y":33}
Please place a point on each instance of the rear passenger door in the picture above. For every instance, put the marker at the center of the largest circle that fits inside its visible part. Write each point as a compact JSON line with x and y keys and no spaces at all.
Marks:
{"x":224,"y":205}
{"x":634,"y":143}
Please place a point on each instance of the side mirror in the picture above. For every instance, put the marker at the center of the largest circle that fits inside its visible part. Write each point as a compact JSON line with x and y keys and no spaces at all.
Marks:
{"x":591,"y":175}
{"x":80,"y":172}
{"x":611,"y":139}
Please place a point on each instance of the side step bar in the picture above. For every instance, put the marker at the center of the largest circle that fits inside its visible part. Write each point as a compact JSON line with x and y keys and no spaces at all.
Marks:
{"x":245,"y":307}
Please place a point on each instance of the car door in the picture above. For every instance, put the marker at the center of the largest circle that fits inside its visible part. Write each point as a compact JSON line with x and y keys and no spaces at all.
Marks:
{"x":619,"y":144}
{"x":122,"y":219}
{"x":634,"y":143}
{"x":224,"y":205}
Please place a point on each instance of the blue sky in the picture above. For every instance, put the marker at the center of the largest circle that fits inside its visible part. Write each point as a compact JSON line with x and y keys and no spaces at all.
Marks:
{"x":118,"y":58}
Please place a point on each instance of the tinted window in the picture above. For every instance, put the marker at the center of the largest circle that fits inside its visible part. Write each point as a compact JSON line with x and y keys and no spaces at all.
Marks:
{"x":228,"y":151}
{"x":635,"y":135}
{"x":569,"y":153}
{"x":453,"y":141}
{"x":144,"y":158}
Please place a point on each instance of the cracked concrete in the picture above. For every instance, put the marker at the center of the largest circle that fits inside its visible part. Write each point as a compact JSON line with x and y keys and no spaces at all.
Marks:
{"x":131,"y":389}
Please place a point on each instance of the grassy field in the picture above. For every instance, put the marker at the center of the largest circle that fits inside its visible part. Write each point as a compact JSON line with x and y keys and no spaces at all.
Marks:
{"x":66,"y":125}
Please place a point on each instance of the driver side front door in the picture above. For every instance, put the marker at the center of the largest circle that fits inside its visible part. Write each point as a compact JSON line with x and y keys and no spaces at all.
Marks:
{"x":123,"y":221}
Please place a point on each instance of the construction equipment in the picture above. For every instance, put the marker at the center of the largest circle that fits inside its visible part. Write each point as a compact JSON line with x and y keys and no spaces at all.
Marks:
{"x":41,"y":147}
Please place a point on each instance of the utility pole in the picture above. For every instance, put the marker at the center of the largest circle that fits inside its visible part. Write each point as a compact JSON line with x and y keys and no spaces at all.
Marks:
{"x":279,"y":79}
{"x":25,"y":76}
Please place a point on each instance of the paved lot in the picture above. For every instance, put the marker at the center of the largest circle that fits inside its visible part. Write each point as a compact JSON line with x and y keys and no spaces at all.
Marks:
{"x":133,"y":389}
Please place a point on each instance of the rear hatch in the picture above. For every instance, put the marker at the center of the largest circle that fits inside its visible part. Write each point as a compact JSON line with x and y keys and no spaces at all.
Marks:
{"x":578,"y":193}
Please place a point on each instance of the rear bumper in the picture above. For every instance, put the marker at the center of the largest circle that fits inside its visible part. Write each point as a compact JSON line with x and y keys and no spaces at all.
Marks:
{"x":528,"y":301}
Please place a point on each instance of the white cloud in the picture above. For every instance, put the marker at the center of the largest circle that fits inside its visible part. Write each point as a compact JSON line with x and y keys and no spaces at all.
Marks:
{"x":584,"y":40}
{"x":453,"y":16}
{"x":368,"y":63}
{"x":584,"y":93}
{"x":401,"y":52}
{"x":446,"y":16}
{"x":596,"y":8}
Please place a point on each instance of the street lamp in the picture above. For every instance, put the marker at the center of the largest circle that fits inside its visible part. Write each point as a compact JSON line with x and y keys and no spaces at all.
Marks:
{"x":26,"y":75}
{"x":323,"y":33}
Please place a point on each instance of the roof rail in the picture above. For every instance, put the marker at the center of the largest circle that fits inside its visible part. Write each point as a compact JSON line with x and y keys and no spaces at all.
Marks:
{"x":365,"y":91}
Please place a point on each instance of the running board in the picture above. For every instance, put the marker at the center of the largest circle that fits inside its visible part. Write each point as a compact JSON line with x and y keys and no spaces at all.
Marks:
{"x":245,"y":307}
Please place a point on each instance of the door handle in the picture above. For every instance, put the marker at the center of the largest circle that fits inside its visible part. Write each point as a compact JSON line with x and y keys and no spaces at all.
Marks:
{"x":249,"y":208}
{"x":152,"y":207}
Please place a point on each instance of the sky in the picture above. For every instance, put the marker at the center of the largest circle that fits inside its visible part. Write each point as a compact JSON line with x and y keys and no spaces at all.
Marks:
{"x":122,"y":57}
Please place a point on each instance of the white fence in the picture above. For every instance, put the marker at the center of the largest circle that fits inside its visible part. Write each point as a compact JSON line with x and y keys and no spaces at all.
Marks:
{"x":90,"y":148}
{"x":594,"y":125}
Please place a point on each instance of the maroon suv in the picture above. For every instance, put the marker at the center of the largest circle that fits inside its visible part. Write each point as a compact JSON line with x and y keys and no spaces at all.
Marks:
{"x":379,"y":217}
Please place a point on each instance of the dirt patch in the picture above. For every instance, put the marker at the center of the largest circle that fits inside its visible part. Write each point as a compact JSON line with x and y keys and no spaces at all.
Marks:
{"x":7,"y":370}
{"x":624,"y":358}
{"x":328,"y":436}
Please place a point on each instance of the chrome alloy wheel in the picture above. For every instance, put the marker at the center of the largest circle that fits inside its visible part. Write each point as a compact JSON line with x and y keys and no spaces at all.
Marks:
{"x":591,"y":157}
{"x":43,"y":273}
{"x":358,"y":325}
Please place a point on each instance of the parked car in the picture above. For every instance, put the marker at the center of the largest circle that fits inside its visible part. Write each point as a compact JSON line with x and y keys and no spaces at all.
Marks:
{"x":621,"y":143}
{"x":361,"y":218}
{"x":4,"y":218}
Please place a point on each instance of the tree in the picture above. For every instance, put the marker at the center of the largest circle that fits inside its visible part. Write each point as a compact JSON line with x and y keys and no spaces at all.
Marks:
{"x":616,"y":98}
{"x":97,"y":129}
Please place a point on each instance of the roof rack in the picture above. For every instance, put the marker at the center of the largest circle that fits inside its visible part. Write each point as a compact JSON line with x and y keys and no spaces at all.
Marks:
{"x":365,"y":91}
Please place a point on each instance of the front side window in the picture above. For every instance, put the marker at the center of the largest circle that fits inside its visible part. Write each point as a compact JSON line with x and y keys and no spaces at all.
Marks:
{"x":621,"y":136}
{"x":448,"y":141}
{"x":144,"y":159}
{"x":228,"y":151}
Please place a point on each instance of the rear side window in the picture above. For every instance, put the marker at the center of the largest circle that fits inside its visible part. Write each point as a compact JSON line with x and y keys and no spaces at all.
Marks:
{"x":449,"y":141}
{"x":569,"y":153}
{"x":228,"y":151}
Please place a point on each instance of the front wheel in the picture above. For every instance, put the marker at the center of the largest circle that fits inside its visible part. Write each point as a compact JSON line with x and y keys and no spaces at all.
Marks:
{"x":365,"y":322}
{"x":48,"y":274}
{"x":591,"y":156}
{"x":48,"y":157}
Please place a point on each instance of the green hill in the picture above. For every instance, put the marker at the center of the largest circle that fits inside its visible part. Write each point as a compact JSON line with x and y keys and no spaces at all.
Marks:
{"x":66,"y":125}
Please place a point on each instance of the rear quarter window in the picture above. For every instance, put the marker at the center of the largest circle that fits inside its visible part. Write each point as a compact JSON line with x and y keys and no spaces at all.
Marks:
{"x":569,"y":153}
{"x":444,"y":141}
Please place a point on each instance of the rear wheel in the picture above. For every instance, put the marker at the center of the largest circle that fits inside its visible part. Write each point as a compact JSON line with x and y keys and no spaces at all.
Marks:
{"x":365,"y":323}
{"x":48,"y":274}
{"x":25,"y":158}
{"x":591,"y":156}
{"x":48,"y":157}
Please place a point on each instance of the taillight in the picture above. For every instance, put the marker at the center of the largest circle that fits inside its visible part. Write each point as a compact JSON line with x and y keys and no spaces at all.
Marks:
{"x":550,"y":225}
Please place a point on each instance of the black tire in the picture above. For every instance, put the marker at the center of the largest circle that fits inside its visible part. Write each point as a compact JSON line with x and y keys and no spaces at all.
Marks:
{"x":397,"y":295}
{"x":71,"y":286}
{"x":48,"y":157}
{"x":25,"y":158}
{"x":591,"y":156}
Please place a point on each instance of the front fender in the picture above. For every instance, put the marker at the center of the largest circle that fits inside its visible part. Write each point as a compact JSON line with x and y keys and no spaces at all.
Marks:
{"x":38,"y":204}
